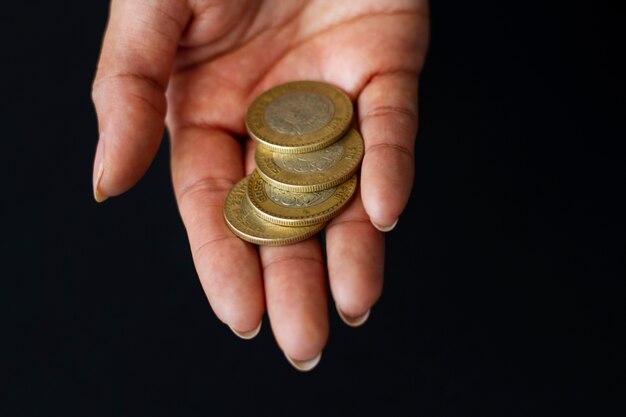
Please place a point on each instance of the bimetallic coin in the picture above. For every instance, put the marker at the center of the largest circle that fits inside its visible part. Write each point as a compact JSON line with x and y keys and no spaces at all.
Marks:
{"x":241,"y":218}
{"x":299,"y":117}
{"x":312,"y":171}
{"x":289,"y":208}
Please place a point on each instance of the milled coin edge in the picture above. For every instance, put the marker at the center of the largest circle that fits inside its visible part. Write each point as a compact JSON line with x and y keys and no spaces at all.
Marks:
{"x":262,"y":240}
{"x":340,"y":177}
{"x":296,"y":221}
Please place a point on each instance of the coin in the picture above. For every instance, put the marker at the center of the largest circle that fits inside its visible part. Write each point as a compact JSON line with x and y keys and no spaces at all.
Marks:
{"x":242,"y":220}
{"x":289,"y":208}
{"x":299,"y":117}
{"x":312,"y":171}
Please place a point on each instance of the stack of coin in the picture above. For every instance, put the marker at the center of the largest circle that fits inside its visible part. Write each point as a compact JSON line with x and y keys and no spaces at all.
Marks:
{"x":306,"y":156}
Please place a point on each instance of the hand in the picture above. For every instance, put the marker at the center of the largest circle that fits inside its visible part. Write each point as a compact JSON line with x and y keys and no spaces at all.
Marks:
{"x":197,"y":65}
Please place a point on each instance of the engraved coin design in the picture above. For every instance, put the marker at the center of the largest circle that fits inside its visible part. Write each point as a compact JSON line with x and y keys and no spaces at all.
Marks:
{"x":313,"y":171}
{"x":310,"y":162}
{"x":298,"y":209}
{"x":299,"y":117}
{"x":242,"y":220}
{"x":296,"y":200}
{"x":299,"y":113}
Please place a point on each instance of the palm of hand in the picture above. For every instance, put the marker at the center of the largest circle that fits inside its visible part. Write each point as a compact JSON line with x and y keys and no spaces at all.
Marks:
{"x":228,"y":55}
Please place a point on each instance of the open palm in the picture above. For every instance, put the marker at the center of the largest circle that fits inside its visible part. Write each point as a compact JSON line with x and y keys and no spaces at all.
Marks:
{"x":198,"y":65}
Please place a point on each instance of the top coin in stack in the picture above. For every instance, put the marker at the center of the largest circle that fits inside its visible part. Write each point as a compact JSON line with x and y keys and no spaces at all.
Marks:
{"x":299,"y":117}
{"x":312,"y":171}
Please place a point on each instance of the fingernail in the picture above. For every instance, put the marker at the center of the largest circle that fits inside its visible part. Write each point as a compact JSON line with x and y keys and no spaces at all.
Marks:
{"x":98,"y":172}
{"x":354,"y":321}
{"x":386,"y":228}
{"x":250,"y":334}
{"x":304,"y":366}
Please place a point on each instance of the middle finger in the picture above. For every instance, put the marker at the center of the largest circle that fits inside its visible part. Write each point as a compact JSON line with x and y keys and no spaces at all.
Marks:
{"x":295,"y":293}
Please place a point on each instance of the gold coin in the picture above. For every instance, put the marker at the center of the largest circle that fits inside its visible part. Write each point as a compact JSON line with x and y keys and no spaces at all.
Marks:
{"x":289,"y":208}
{"x":242,"y":220}
{"x":312,"y":171}
{"x":299,"y":117}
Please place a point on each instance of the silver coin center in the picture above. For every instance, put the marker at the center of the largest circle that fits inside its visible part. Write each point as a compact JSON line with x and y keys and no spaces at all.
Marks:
{"x":310,"y":162}
{"x":299,"y":113}
{"x":297,"y":200}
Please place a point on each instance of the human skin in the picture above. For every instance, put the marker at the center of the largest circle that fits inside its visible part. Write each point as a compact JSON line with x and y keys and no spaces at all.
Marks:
{"x":195,"y":67}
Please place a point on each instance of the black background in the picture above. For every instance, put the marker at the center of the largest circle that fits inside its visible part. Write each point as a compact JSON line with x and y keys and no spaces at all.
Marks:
{"x":504,"y":288}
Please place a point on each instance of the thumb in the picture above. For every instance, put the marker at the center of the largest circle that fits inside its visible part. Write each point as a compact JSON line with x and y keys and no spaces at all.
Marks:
{"x":129,"y":89}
